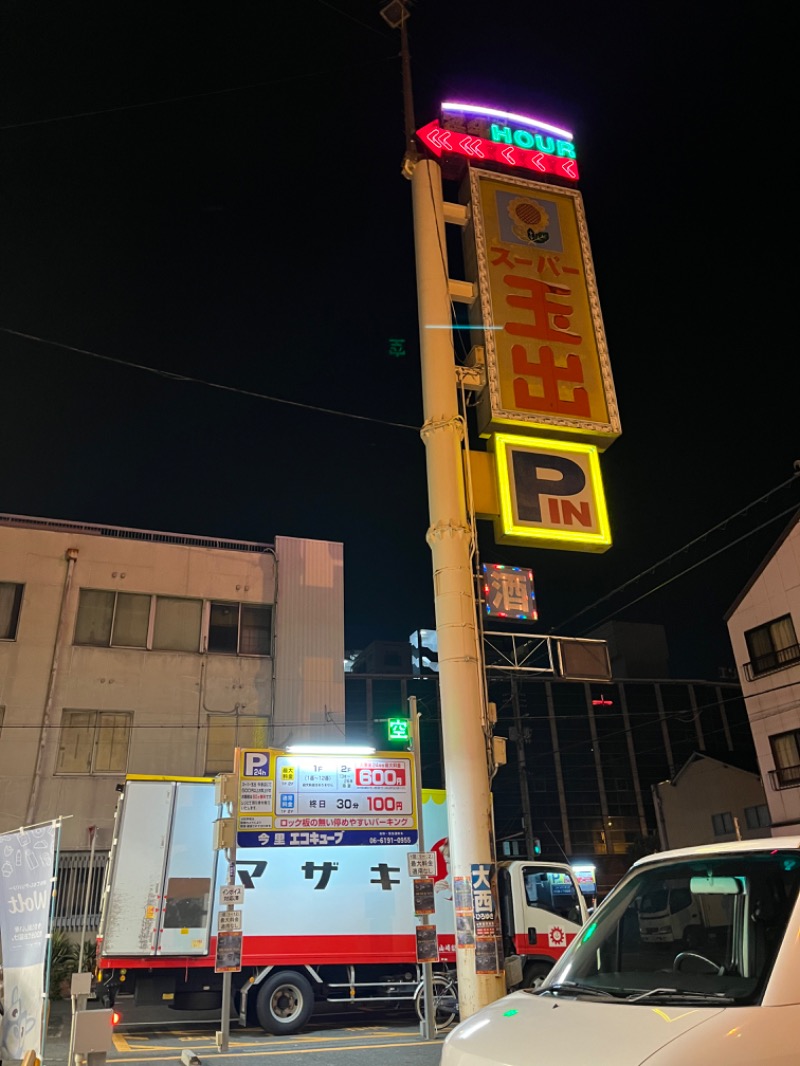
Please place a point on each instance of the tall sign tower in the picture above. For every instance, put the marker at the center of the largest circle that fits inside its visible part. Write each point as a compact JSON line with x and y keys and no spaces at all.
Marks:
{"x":546,"y":409}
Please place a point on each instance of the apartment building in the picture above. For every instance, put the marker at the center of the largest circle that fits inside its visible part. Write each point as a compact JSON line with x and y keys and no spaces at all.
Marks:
{"x":763,"y":624}
{"x":136,"y":651}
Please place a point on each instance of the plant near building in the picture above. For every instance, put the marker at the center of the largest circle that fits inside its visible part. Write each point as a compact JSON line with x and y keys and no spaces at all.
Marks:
{"x":63,"y":963}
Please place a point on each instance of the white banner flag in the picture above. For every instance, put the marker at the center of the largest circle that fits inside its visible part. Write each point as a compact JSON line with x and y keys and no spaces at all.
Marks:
{"x":26,"y":889}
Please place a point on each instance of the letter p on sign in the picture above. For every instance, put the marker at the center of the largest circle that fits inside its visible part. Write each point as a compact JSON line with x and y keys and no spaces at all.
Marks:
{"x":256,"y":764}
{"x":550,"y":494}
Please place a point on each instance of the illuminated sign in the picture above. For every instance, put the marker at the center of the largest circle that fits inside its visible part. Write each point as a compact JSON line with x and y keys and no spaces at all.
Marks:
{"x":499,"y":143}
{"x":399,"y":729}
{"x":291,"y":800}
{"x":508,"y":592}
{"x":547,"y":364}
{"x":550,"y":494}
{"x":452,"y":108}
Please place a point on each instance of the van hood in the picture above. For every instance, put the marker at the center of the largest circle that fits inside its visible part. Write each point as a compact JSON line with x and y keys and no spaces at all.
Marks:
{"x":531,"y":1030}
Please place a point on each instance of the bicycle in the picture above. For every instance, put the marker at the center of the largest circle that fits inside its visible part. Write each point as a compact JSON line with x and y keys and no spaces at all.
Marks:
{"x":445,"y":1000}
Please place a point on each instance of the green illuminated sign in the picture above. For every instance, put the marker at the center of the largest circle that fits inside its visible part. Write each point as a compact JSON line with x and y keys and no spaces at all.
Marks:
{"x":399,"y":729}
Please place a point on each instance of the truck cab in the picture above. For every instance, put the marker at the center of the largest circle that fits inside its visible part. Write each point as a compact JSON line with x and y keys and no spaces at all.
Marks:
{"x":542,"y":909}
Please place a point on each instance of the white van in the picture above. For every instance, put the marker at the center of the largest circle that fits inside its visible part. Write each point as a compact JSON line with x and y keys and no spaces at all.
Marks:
{"x":618,"y":998}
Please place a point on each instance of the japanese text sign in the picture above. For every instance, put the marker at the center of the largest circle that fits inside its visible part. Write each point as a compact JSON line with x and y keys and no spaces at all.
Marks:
{"x":547,"y":362}
{"x":508,"y":592}
{"x":288,"y":800}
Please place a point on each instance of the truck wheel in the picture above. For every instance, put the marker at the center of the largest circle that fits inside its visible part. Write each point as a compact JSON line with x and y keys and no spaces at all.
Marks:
{"x":284,"y":1002}
{"x":534,"y":973}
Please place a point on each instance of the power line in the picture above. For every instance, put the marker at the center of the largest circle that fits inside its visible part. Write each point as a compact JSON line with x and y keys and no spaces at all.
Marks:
{"x":143,"y":105}
{"x":202,"y":381}
{"x":667,"y":715}
{"x":700,"y":562}
{"x":189,"y":379}
{"x":680,"y":551}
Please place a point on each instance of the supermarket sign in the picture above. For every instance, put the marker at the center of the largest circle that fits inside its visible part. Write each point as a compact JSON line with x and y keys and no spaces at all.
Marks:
{"x":289,"y":800}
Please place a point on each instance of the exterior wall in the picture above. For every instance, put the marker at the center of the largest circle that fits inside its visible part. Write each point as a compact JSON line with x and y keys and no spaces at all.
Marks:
{"x":773,"y":699}
{"x":685,"y":805}
{"x":170,"y":694}
{"x":309,"y":673}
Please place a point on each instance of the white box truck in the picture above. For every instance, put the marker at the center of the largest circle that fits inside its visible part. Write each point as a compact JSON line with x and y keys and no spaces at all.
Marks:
{"x":320,"y":923}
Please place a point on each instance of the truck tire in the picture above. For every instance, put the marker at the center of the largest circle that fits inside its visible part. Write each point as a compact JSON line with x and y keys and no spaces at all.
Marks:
{"x":284,"y":1003}
{"x":534,"y":973}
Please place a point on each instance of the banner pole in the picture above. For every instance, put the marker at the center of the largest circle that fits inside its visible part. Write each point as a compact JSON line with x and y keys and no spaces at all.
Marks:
{"x":56,"y":823}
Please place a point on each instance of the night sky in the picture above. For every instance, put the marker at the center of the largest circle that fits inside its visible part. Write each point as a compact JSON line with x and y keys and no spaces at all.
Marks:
{"x":215,"y":193}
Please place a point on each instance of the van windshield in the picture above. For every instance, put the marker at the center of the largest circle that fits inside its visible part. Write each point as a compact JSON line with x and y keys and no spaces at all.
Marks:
{"x":702,"y":930}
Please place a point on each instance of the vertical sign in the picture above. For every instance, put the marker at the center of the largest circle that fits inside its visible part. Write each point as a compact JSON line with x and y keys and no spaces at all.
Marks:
{"x":547,"y":362}
{"x":26,"y":892}
{"x":228,"y":957}
{"x":488,"y":940}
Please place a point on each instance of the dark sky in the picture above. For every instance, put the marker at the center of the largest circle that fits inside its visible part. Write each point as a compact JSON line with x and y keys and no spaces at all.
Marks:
{"x":216,"y":193}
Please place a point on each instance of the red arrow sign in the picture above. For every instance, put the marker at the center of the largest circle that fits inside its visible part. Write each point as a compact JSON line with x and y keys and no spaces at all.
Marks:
{"x":431,"y":135}
{"x":450,"y":142}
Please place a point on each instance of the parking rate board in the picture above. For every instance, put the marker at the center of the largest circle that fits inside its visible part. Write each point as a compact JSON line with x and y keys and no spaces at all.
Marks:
{"x":287,"y":800}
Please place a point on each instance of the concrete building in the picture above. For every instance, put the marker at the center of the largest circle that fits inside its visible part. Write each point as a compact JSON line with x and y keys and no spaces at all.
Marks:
{"x":134,"y":651}
{"x":763,"y":625}
{"x":709,"y":801}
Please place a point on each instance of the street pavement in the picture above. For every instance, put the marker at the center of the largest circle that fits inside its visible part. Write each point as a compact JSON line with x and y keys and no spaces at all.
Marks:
{"x":344,"y":1038}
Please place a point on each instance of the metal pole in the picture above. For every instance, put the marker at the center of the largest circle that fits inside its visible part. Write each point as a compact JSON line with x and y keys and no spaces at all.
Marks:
{"x":86,"y":898}
{"x":79,"y":1001}
{"x":428,"y":1021}
{"x":464,"y":726}
{"x":524,"y":792}
{"x":227,"y":977}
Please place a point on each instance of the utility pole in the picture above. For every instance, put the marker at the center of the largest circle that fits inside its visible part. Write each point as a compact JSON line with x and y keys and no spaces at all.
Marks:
{"x":466,"y":735}
{"x":525,"y":796}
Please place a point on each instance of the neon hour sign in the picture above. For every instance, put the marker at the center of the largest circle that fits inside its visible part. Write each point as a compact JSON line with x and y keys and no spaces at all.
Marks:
{"x":485,"y":134}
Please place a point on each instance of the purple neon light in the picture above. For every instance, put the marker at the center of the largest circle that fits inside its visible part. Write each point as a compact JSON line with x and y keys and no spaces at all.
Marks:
{"x":478,"y":109}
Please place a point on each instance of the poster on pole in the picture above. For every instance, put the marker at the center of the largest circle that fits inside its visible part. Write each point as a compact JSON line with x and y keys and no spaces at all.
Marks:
{"x":424,"y":901}
{"x":27,"y":860}
{"x":427,"y":943}
{"x":228,"y":958}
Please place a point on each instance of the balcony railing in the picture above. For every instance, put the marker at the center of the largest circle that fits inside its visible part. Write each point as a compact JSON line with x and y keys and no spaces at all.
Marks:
{"x":772,"y":660}
{"x":785,"y":777}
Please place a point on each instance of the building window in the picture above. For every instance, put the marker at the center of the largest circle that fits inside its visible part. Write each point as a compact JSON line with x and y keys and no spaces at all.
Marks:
{"x":94,"y":742}
{"x":171,"y":623}
{"x":228,"y":731}
{"x":786,"y":753}
{"x":757,"y":817}
{"x":241,"y":628}
{"x":772,"y":646}
{"x":177,"y":624}
{"x":117,"y":619}
{"x":722,"y":823}
{"x":10,"y":600}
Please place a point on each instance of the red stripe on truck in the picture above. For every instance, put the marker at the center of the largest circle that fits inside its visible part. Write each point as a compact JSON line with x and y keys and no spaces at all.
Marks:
{"x":296,"y":951}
